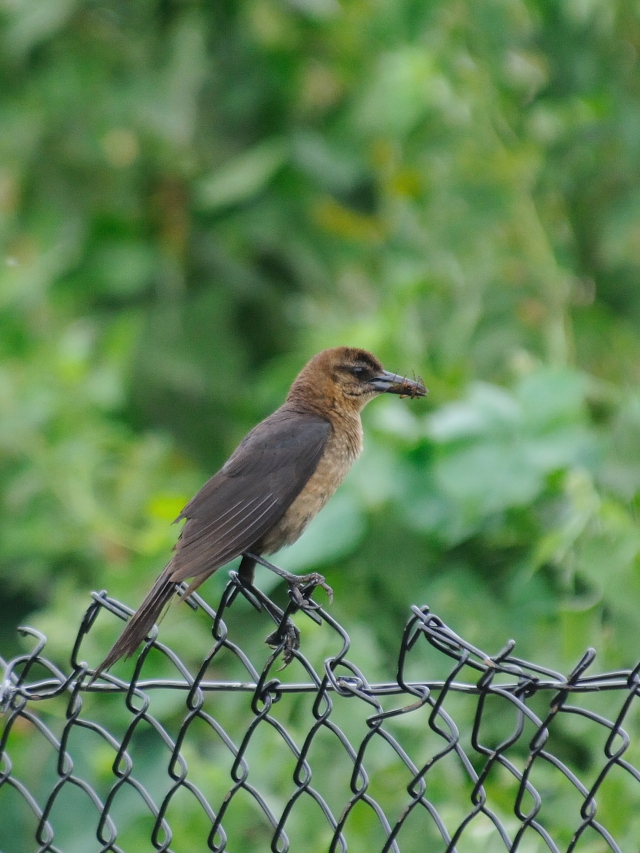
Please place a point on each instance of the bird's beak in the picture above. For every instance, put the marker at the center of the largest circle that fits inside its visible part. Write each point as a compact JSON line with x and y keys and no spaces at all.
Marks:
{"x":394,"y":383}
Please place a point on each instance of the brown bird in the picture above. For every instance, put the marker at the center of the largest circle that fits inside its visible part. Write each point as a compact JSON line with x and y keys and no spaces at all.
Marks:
{"x":277,"y":479}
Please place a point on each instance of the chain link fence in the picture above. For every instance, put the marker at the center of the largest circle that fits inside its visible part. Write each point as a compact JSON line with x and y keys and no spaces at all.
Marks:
{"x":462,"y":751}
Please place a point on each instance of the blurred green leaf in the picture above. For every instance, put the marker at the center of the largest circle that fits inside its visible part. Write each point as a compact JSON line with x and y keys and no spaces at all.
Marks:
{"x":242,"y":177}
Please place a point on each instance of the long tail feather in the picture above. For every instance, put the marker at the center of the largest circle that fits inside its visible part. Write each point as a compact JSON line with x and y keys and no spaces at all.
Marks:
{"x":140,"y":623}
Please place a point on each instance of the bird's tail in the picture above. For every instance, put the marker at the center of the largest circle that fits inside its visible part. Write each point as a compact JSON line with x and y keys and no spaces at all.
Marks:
{"x":140,"y":623}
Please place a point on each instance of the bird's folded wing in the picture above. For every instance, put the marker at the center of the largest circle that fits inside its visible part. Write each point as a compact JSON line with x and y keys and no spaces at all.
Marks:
{"x":250,"y":494}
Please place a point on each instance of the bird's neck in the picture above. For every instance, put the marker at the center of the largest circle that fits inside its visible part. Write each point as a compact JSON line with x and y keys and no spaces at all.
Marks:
{"x":343,"y":416}
{"x":347,"y":427}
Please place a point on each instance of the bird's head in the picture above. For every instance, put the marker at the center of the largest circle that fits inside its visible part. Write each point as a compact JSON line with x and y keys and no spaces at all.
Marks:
{"x":347,"y":378}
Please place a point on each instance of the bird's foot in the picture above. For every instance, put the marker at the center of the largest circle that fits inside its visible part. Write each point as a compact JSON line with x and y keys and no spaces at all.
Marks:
{"x":286,"y":631}
{"x":301,"y":587}
{"x":289,"y":633}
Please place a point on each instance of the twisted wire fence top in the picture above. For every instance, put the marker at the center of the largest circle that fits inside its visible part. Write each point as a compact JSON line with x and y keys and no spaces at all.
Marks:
{"x":461,"y":751}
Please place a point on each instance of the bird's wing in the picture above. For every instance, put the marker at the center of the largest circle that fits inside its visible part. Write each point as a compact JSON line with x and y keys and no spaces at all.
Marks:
{"x":250,"y":494}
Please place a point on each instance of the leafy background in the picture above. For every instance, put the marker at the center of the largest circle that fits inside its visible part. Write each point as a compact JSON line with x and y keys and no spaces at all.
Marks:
{"x":196,"y":197}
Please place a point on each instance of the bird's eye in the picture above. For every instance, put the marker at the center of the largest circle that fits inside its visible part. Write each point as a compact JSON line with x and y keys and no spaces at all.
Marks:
{"x":358,"y":371}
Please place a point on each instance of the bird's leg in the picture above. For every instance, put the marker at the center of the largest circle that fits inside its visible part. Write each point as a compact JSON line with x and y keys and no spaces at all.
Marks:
{"x":300,"y":586}
{"x":247,"y":570}
{"x":286,"y":630}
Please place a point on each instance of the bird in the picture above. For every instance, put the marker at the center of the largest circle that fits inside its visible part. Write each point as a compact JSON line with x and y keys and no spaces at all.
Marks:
{"x":279,"y":477}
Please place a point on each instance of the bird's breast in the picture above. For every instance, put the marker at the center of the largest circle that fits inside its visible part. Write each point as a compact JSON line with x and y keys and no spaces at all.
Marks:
{"x":343,"y":448}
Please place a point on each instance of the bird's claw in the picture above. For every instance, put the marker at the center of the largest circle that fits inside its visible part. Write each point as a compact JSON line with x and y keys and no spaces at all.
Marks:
{"x":288,"y":632}
{"x":302,"y":588}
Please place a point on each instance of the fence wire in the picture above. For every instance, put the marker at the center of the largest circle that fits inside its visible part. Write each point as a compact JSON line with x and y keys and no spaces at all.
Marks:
{"x":462,"y":751}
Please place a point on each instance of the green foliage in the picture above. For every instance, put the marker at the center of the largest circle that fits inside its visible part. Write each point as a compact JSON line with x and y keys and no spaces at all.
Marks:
{"x":194,"y":198}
